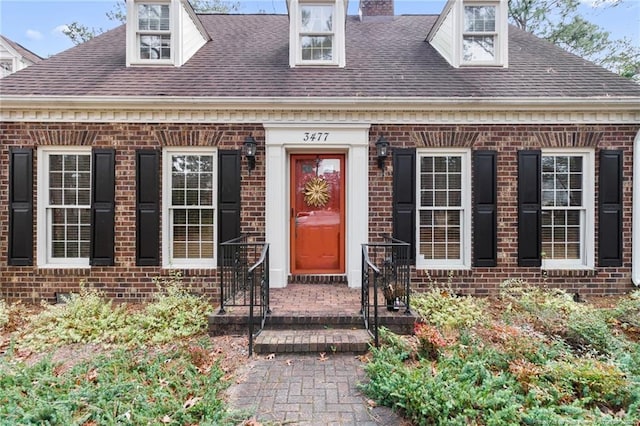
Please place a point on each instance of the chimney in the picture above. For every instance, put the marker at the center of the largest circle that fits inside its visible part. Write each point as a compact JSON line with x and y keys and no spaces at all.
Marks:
{"x":376,"y":9}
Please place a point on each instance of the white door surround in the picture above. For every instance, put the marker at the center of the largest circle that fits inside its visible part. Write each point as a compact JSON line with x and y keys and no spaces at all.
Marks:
{"x":283,"y":139}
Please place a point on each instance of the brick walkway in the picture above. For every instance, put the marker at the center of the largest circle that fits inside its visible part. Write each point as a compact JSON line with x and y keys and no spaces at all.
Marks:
{"x":305,"y":390}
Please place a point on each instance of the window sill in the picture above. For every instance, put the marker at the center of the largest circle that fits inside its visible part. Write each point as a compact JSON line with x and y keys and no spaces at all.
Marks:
{"x":152,"y":63}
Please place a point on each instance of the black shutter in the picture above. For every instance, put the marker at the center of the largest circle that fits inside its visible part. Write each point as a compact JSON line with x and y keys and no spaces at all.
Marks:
{"x":404,"y":197}
{"x":147,"y":208}
{"x":103,"y":207}
{"x":20,"y":207}
{"x":228,"y":195}
{"x":610,"y":209}
{"x":529,"y":209}
{"x":485,"y":197}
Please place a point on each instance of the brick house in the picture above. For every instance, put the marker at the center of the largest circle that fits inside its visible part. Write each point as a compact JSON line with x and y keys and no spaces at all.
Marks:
{"x":122,"y":158}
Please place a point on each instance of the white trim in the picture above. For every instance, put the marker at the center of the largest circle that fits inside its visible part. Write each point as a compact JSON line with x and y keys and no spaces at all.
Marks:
{"x":465,"y":229}
{"x":104,"y":109}
{"x":635,"y":215}
{"x":283,"y":139}
{"x":588,"y":200}
{"x":167,"y":261}
{"x":42,"y":241}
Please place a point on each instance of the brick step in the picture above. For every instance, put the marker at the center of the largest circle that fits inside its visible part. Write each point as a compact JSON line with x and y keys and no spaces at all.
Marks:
{"x":312,"y":341}
{"x":397,"y":322}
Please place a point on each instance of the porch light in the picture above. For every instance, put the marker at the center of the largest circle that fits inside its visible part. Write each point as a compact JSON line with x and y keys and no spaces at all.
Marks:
{"x":382,"y":149}
{"x":249,"y":150}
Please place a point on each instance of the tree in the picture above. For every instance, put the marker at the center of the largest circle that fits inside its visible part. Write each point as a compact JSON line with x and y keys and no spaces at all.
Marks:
{"x":560,"y":22}
{"x":79,"y":33}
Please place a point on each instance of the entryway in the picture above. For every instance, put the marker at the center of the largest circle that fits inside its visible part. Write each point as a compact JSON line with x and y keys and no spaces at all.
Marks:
{"x":317,"y":217}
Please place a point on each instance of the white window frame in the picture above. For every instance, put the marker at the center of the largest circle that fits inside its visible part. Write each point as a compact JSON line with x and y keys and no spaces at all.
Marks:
{"x":296,"y":33}
{"x":587,"y":231}
{"x":167,"y":224}
{"x":43,"y":250}
{"x":500,"y":33}
{"x":465,"y":222}
{"x":134,"y":33}
{"x":12,"y":63}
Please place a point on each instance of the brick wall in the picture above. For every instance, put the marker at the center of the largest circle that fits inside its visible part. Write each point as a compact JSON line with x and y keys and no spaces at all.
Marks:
{"x":125,"y":281}
{"x":507,"y":140}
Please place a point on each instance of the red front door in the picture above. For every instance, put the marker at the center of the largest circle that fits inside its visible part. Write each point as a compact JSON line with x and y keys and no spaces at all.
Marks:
{"x":317,"y":214}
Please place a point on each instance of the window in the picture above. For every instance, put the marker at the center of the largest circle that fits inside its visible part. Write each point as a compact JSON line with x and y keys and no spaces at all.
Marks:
{"x":443,"y":210}
{"x":316,"y":32}
{"x":189,"y":215}
{"x":479,"y":39}
{"x":567,"y":210}
{"x":153,"y":31}
{"x":64,"y":212}
{"x":6,"y":67}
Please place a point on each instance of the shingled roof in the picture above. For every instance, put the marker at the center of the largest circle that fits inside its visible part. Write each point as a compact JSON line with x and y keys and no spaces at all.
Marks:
{"x":248,"y":56}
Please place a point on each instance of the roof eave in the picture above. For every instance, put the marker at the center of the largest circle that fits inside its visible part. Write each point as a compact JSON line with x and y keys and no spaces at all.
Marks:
{"x":286,"y":103}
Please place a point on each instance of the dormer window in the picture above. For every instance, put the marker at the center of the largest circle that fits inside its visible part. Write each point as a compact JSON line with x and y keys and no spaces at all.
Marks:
{"x":162,"y":32}
{"x":317,"y":30}
{"x":154,"y":31}
{"x":479,"y":34}
{"x":472,"y":33}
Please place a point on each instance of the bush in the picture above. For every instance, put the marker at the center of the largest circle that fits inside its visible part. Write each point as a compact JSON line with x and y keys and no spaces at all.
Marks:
{"x":88,"y":317}
{"x":444,"y":309}
{"x":126,"y":387}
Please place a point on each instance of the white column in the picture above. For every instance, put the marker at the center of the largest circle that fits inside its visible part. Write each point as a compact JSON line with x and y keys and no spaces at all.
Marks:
{"x":276,"y":215}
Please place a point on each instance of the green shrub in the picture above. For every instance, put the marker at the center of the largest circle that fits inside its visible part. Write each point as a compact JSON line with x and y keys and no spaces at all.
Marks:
{"x":444,"y":309}
{"x":126,"y":387}
{"x":85,"y":318}
{"x":590,"y":380}
{"x":88,"y":317}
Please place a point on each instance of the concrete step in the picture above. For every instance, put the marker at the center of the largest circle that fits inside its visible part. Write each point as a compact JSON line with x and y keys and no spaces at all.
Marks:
{"x":313,"y":340}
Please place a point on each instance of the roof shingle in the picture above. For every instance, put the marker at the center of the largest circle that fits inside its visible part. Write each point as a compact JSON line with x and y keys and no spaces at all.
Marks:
{"x":384,"y":59}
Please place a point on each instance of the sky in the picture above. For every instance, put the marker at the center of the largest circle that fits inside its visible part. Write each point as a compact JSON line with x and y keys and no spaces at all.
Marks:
{"x":37,"y":24}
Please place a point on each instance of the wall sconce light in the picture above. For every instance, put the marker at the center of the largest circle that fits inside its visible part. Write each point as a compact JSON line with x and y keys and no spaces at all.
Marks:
{"x":382,"y":150}
{"x":249,"y":150}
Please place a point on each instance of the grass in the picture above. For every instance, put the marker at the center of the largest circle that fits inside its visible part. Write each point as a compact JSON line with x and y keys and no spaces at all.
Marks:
{"x":545,"y":360}
{"x":151,"y":365}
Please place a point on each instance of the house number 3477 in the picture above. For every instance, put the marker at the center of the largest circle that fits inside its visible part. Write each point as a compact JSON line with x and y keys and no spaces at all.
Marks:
{"x":315,"y":136}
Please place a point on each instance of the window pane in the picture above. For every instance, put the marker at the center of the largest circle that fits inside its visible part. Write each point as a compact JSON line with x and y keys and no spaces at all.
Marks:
{"x":478,"y":48}
{"x":153,"y":17}
{"x":155,"y":46}
{"x":316,"y":18}
{"x":317,"y":48}
{"x":70,"y":232}
{"x":479,"y":18}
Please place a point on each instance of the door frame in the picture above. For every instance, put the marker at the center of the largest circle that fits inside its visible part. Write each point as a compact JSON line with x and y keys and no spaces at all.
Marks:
{"x":283,"y":139}
{"x":343,"y":228}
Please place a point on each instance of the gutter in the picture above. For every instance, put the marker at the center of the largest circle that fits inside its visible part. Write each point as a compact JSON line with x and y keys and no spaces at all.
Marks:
{"x":635,"y":222}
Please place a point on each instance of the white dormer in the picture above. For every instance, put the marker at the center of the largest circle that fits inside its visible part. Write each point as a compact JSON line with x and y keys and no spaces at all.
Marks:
{"x":472,"y":33}
{"x":317,"y":32}
{"x":162,"y":32}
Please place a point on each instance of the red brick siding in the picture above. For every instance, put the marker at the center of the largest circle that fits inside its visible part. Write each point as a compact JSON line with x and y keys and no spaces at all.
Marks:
{"x":125,"y":280}
{"x":507,"y":140}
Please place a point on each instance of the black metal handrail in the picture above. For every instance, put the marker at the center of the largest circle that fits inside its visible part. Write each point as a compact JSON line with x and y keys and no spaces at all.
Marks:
{"x":388,"y":263}
{"x":244,"y":266}
{"x":259,"y":271}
